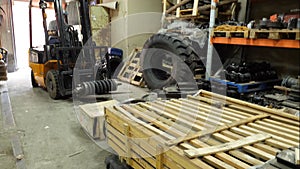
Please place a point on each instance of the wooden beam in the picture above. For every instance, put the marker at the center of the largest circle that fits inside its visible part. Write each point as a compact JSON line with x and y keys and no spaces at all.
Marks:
{"x":226,"y":146}
{"x":218,"y":129}
{"x":297,"y":158}
{"x":208,"y":6}
{"x":195,"y":7}
{"x":177,"y":6}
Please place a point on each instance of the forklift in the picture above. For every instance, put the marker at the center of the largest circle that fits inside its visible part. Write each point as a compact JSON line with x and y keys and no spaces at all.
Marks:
{"x":64,"y":53}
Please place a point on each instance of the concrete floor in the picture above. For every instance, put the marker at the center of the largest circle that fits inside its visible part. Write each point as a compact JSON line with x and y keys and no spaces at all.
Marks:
{"x":48,"y":129}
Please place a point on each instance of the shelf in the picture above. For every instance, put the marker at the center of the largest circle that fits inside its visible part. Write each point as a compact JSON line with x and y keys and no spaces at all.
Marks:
{"x":282,"y":43}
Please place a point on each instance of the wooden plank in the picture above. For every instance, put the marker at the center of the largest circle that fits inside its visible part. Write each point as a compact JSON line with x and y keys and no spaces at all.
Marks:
{"x":212,"y":111}
{"x":140,"y":122}
{"x":164,"y":7}
{"x":245,"y":157}
{"x":232,"y":161}
{"x":258,"y":153}
{"x":116,"y":119}
{"x":238,"y":154}
{"x":278,"y":128}
{"x":217,"y":163}
{"x":214,"y":117}
{"x":227,"y":158}
{"x":159,"y":157}
{"x":218,"y":129}
{"x":127,"y":143}
{"x":192,"y":113}
{"x":173,"y":115}
{"x":267,"y":148}
{"x":278,"y":144}
{"x":195,"y":103}
{"x":275,"y":132}
{"x":230,"y":134}
{"x":195,"y":8}
{"x":166,"y":120}
{"x":212,"y":102}
{"x":287,"y":121}
{"x":177,"y":155}
{"x":251,"y":105}
{"x":245,"y":109}
{"x":210,"y":159}
{"x":288,"y":142}
{"x":227,"y":146}
{"x":178,"y":9}
{"x":159,"y":124}
{"x":177,"y":6}
{"x":287,"y":126}
{"x":234,"y":136}
{"x":297,"y":156}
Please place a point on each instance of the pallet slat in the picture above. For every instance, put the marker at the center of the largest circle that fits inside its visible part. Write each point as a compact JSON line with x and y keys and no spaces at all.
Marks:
{"x":227,"y":146}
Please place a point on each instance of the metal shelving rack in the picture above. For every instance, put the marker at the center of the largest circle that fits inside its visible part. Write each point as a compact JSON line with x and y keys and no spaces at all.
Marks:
{"x":281,"y":43}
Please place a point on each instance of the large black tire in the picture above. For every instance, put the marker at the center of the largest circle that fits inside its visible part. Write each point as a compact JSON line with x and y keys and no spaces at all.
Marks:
{"x":33,"y":81}
{"x":168,"y":48}
{"x":52,"y":83}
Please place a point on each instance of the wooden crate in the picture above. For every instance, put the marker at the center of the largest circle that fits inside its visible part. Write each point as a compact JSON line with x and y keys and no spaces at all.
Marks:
{"x":91,"y":118}
{"x":276,"y":34}
{"x":174,"y":134}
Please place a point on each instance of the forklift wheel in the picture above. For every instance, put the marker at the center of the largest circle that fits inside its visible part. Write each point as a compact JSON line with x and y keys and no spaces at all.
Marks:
{"x":33,"y":82}
{"x":52,"y":84}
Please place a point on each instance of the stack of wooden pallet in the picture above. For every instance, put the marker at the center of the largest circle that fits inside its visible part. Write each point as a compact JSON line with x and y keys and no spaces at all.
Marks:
{"x":197,"y":9}
{"x":229,"y":31}
{"x":203,"y":131}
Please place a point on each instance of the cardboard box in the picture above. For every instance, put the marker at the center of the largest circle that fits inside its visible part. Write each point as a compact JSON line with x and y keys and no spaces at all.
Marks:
{"x":91,"y":117}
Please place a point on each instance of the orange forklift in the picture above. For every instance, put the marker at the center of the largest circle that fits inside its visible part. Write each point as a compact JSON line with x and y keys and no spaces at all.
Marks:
{"x":53,"y":64}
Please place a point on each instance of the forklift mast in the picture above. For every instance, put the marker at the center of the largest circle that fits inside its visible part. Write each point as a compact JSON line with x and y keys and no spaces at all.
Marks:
{"x":61,"y":23}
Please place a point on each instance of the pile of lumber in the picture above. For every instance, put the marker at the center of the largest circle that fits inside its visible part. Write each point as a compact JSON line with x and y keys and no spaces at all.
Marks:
{"x":203,"y":131}
{"x":191,"y":9}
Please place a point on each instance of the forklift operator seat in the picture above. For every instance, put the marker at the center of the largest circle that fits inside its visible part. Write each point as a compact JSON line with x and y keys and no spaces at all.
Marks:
{"x":53,"y":33}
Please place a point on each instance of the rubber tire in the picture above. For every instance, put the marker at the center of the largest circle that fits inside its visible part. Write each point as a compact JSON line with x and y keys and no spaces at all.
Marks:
{"x":33,"y":81}
{"x":52,"y":84}
{"x":174,"y":44}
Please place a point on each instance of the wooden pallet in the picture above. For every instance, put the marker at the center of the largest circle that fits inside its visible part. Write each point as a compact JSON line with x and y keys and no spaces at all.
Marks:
{"x":192,"y":133}
{"x":231,"y":34}
{"x":293,"y":34}
{"x":131,"y":70}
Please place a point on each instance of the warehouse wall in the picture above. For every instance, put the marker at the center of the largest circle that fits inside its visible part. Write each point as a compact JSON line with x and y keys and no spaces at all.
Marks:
{"x":7,"y":35}
{"x":134,"y":22}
